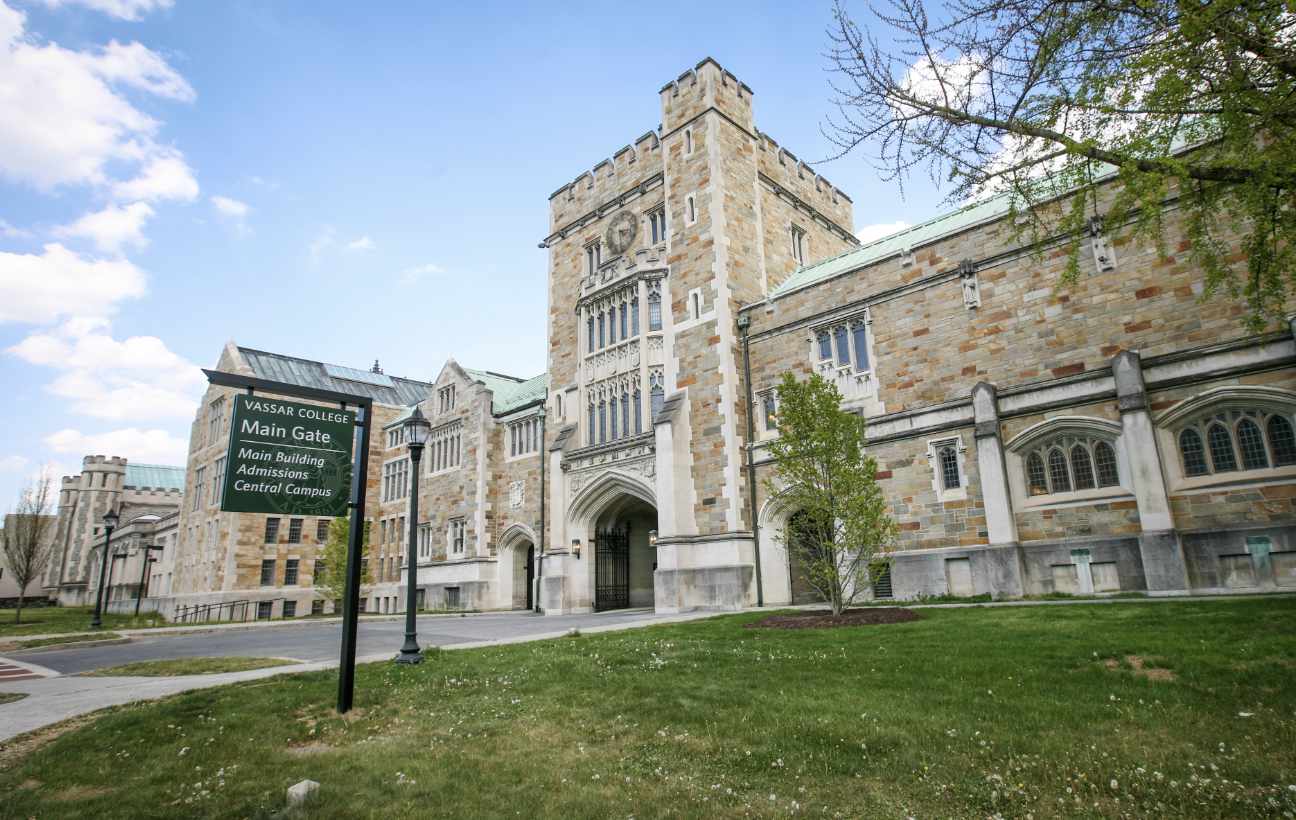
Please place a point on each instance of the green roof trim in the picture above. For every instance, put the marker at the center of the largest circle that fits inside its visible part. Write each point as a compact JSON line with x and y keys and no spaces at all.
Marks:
{"x":969,"y":216}
{"x":509,"y":393}
{"x":157,"y":476}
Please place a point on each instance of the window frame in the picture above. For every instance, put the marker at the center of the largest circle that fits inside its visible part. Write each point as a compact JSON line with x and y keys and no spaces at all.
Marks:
{"x":1227,"y":412}
{"x":1060,"y":435}
{"x":936,"y":447}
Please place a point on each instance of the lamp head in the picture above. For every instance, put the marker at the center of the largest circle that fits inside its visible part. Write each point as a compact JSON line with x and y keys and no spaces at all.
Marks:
{"x":111,"y":518}
{"x":417,"y":428}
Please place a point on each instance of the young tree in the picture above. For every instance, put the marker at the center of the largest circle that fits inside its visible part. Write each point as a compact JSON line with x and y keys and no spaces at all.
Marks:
{"x":821,"y":471}
{"x":28,"y":536}
{"x":332,"y":581}
{"x":1039,"y":97}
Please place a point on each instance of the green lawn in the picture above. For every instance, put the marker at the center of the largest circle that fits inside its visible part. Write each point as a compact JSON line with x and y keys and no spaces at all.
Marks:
{"x":189,"y":666}
{"x":60,"y":640}
{"x":965,"y":713}
{"x":51,"y":619}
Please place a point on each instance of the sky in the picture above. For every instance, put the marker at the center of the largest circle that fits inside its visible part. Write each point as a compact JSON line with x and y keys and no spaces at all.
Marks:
{"x":339,"y":181}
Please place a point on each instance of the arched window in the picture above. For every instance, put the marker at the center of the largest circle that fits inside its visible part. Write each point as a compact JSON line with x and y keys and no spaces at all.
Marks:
{"x":625,"y":325}
{"x":612,"y":420}
{"x":1251,"y":443}
{"x":949,"y":471}
{"x":600,"y":334}
{"x":1105,"y":461}
{"x":612,"y":337}
{"x":590,"y":436}
{"x":634,"y":316}
{"x":638,"y":411}
{"x":602,"y":422}
{"x":1036,"y":481}
{"x":1221,"y":448}
{"x":1059,"y":481}
{"x":1192,"y":452}
{"x":589,"y":332}
{"x":625,"y":412}
{"x":654,"y":311}
{"x":1282,"y":441}
{"x":1082,"y":468}
{"x":657,"y":398}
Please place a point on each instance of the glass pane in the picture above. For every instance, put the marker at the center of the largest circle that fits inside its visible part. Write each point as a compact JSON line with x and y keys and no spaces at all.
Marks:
{"x":658,"y":398}
{"x":1035,"y":480}
{"x":638,"y":412}
{"x":654,"y":313}
{"x":1105,"y":457}
{"x":825,"y":346}
{"x":612,"y":421}
{"x":625,"y":324}
{"x":1194,"y":455}
{"x":949,"y":468}
{"x":843,"y":351}
{"x":1082,"y":468}
{"x":771,"y":420}
{"x":1058,"y":477}
{"x":1251,"y":443}
{"x":1282,"y":440}
{"x":859,"y":332}
{"x":602,"y":422}
{"x":589,"y":333}
{"x":625,"y":413}
{"x":1221,"y":448}
{"x":634,"y":316}
{"x":591,"y":438}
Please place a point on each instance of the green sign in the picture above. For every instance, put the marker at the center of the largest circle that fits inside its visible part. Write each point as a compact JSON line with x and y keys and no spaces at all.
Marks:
{"x":289,"y":458}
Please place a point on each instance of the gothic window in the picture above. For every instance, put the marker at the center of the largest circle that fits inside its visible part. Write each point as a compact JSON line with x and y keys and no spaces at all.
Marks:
{"x":601,"y":343}
{"x":1059,"y":481}
{"x":844,"y":345}
{"x":592,"y":428}
{"x":612,"y":419}
{"x":1036,"y":481}
{"x":446,"y":398}
{"x":612,"y":336}
{"x":1082,"y":468}
{"x":593,"y":257}
{"x":1251,"y":443}
{"x":825,"y":345}
{"x":602,"y":422}
{"x":1283,"y":441}
{"x":1105,"y":460}
{"x":859,"y":337}
{"x":634,"y":316}
{"x":657,"y":225}
{"x":690,"y":209}
{"x":589,"y":331}
{"x":625,"y":413}
{"x":769,"y":406}
{"x":658,"y":398}
{"x":638,"y":412}
{"x":524,"y":436}
{"x":625,"y":325}
{"x":949,"y":471}
{"x":1229,"y":440}
{"x":654,"y":310}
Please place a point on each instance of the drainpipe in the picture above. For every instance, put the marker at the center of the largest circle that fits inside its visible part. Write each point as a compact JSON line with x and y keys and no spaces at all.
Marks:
{"x":544,"y":458}
{"x":744,"y":325}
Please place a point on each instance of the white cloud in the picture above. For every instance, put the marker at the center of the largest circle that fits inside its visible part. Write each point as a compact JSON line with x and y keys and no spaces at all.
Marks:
{"x":148,"y":446}
{"x":103,"y":377}
{"x":165,"y":176}
{"x":9,"y":231}
{"x":113,"y":227}
{"x":74,"y":123}
{"x":58,"y":282}
{"x":122,"y":9}
{"x":869,"y":233}
{"x":324,"y":240}
{"x":364,"y":243}
{"x":410,"y":276}
{"x":13,"y":464}
{"x":230,"y":207}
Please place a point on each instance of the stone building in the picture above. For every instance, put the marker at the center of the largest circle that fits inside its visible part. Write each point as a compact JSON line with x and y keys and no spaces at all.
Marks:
{"x":1118,"y":434}
{"x":141,"y":563}
{"x":147,"y":492}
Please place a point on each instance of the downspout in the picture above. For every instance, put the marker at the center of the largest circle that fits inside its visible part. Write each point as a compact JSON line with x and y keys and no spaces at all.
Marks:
{"x":744,"y":325}
{"x":540,"y":548}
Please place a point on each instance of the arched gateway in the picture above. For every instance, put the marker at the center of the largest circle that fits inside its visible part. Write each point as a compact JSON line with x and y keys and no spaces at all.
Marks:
{"x":613,"y":524}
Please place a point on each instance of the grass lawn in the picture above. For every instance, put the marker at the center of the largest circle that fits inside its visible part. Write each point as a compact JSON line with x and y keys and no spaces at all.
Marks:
{"x":47,"y":620}
{"x":59,"y":640}
{"x":189,"y":666}
{"x":1129,"y":709}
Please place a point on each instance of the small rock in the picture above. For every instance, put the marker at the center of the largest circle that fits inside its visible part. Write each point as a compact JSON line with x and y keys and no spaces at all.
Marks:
{"x":301,"y":792}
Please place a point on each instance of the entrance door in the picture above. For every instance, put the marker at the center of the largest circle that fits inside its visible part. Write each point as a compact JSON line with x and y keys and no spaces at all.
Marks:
{"x":612,"y":569}
{"x":530,"y":576}
{"x":801,"y":535}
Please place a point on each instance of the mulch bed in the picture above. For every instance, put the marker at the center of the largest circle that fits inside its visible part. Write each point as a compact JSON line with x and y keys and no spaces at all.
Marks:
{"x":823,"y":619}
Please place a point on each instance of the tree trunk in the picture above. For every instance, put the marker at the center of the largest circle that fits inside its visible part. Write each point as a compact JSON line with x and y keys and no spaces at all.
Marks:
{"x":18,"y":612}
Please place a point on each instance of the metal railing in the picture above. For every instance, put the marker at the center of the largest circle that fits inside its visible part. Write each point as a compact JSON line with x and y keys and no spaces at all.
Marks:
{"x":204,"y":613}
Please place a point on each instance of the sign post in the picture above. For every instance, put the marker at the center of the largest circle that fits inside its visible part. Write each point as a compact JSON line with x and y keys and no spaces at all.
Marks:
{"x":301,"y":459}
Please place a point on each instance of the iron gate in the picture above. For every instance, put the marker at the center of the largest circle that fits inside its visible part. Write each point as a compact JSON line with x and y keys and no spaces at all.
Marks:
{"x":612,"y":569}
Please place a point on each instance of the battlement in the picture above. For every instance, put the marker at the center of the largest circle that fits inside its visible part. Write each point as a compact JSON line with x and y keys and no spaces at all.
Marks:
{"x":141,"y":494}
{"x":706,"y":85}
{"x":803,"y":182}
{"x":629,"y":166}
{"x":90,"y":462}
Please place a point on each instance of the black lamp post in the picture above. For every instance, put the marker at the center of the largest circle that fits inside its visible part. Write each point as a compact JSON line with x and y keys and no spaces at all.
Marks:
{"x":110,"y":523}
{"x":417,"y":430}
{"x":143,"y":584}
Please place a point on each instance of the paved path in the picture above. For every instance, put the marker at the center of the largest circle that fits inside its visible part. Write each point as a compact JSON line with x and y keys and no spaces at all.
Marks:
{"x":55,"y":692}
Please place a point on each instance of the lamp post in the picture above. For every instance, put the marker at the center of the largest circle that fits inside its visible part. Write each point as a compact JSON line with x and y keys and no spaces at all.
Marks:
{"x":417,"y":429}
{"x":110,"y":523}
{"x":143,"y":584}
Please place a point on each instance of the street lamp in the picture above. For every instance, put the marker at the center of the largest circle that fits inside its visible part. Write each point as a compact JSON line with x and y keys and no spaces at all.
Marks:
{"x":110,"y":523}
{"x":143,"y":584}
{"x":417,"y":430}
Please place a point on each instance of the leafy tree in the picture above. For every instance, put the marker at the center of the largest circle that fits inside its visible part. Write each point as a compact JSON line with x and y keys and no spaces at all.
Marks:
{"x":332,"y":581}
{"x":1193,"y":102}
{"x":822,"y":472}
{"x":28,"y":537}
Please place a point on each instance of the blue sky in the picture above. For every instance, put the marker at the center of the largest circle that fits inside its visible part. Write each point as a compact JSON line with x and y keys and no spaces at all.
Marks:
{"x":333,"y":180}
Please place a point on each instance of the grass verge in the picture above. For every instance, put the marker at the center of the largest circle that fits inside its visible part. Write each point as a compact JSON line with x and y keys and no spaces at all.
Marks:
{"x":49,"y":620}
{"x":1050,"y":711}
{"x":59,"y":640}
{"x":189,"y":666}
{"x":10,"y":697}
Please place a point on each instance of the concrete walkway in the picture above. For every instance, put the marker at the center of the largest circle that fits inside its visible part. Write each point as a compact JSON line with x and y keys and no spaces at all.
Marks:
{"x":54,"y":697}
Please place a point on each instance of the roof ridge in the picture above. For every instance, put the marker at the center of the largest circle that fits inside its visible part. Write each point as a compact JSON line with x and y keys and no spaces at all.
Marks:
{"x":323,"y":363}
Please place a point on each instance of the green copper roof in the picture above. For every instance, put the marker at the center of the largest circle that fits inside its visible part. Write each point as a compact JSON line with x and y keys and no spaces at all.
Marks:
{"x":951,"y":223}
{"x":509,"y":393}
{"x":158,"y":476}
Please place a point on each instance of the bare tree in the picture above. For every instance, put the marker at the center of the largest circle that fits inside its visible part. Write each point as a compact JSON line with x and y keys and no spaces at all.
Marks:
{"x":28,"y":536}
{"x":1037,"y":99}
